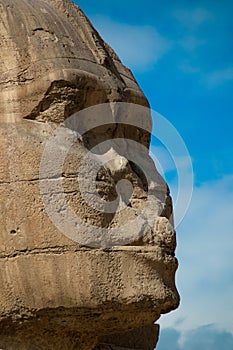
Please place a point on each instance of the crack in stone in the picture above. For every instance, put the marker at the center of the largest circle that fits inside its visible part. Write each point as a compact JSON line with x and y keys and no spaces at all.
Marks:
{"x":38,"y":251}
{"x":71,"y":177}
{"x":72,"y":249}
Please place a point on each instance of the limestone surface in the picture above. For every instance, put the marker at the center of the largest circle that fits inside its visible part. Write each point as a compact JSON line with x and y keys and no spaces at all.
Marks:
{"x":58,"y":292}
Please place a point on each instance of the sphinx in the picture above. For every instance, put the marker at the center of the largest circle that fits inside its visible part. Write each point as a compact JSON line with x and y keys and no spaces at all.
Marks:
{"x":62,"y":289}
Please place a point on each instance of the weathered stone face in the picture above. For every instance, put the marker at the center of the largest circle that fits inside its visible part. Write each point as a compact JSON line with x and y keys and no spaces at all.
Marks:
{"x":56,"y":293}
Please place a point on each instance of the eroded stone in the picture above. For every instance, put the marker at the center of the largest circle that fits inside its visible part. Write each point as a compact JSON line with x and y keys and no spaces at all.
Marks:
{"x":56,"y":293}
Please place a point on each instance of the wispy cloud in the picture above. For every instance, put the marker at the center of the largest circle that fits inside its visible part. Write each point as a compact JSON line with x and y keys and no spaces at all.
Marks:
{"x":199,"y":44}
{"x":191,"y":42}
{"x":194,"y":40}
{"x":139,"y":47}
{"x":208,"y":80}
{"x":207,"y":337}
{"x":192,"y":19}
{"x":188,"y":68}
{"x":218,"y":77}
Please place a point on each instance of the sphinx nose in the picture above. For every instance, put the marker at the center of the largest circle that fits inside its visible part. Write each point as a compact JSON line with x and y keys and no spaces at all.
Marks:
{"x":120,"y":170}
{"x":118,"y":165}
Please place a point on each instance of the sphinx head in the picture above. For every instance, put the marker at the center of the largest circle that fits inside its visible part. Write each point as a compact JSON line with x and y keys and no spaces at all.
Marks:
{"x":87,"y":238}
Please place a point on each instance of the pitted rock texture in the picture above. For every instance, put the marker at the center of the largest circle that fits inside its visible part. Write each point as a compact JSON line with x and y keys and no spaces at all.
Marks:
{"x":55,"y":293}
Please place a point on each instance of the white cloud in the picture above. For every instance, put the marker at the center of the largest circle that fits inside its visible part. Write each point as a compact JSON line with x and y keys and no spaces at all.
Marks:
{"x":209,"y":80}
{"x":192,"y":19}
{"x":139,"y":47}
{"x":218,"y":77}
{"x":205,"y":247}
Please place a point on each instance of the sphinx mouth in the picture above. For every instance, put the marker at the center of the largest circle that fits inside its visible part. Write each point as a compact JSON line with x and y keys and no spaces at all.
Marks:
{"x":59,"y":250}
{"x":158,"y":252}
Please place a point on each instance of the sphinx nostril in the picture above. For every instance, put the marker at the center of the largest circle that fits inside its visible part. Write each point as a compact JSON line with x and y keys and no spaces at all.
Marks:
{"x":140,"y":174}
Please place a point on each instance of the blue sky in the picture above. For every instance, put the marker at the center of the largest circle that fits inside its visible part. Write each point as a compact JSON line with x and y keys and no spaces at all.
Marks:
{"x":181,"y":53}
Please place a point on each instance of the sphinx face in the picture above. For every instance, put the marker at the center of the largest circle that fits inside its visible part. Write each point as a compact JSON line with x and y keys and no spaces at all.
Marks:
{"x":86,"y":235}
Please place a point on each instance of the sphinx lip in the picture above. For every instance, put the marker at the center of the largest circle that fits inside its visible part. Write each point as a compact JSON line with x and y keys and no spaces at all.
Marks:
{"x":136,"y":248}
{"x":144,"y":249}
